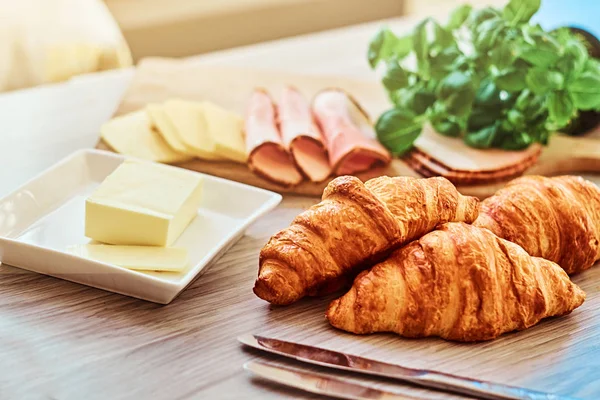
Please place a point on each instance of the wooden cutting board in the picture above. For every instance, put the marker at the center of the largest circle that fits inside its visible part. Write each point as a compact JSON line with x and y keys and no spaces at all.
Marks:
{"x":158,"y":79}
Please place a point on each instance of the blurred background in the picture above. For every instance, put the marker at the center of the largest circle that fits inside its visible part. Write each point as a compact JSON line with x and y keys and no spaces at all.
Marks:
{"x":64,"y":38}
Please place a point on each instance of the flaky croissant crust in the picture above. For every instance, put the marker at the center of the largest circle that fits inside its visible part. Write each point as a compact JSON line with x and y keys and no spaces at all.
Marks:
{"x":458,"y":282}
{"x":354,"y":226}
{"x":554,"y":218}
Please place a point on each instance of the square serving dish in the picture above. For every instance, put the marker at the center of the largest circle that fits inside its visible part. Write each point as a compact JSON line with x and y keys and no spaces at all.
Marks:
{"x":46,"y":215}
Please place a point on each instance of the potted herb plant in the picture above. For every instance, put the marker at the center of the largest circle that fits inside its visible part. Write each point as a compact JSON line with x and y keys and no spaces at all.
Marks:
{"x":487,"y":76}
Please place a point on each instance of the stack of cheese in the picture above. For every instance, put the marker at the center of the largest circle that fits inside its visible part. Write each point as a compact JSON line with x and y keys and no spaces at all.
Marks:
{"x":137,"y":213}
{"x":177,"y":131}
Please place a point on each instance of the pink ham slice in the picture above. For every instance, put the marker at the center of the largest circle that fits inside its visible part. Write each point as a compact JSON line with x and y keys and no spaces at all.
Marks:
{"x":350,"y":137}
{"x":267,"y":155}
{"x":301,"y":136}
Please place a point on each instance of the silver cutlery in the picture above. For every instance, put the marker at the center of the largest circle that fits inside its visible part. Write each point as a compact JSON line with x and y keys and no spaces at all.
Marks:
{"x":426,"y":378}
{"x":318,"y":383}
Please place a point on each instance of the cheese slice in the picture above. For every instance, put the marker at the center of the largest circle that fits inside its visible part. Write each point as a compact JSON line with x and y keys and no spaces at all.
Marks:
{"x":163,"y":125}
{"x":145,"y":258}
{"x":191,"y":126}
{"x":226,"y":131}
{"x":143,"y":203}
{"x":132,"y":134}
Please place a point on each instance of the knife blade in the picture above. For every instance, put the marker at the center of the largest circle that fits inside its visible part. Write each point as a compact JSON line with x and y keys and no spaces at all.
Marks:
{"x":314,"y":382}
{"x":426,"y":378}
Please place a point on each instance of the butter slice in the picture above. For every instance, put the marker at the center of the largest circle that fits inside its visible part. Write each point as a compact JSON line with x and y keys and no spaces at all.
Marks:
{"x":145,"y":258}
{"x":191,"y":127}
{"x":226,"y":131}
{"x":143,"y":204}
{"x":132,"y":134}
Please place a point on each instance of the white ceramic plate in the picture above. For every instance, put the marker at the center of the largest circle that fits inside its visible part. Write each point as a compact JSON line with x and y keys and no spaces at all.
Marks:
{"x":46,"y":215}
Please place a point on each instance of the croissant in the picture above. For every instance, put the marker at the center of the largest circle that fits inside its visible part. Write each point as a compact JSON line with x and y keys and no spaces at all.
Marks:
{"x":554,"y":218}
{"x":354,"y":226}
{"x":458,"y":282}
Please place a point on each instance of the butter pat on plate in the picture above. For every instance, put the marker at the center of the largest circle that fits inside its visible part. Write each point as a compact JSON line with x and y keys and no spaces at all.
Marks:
{"x":144,"y":258}
{"x":143,"y":204}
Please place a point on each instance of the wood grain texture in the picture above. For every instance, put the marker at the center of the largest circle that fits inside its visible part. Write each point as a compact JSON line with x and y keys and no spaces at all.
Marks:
{"x":65,"y":341}
{"x":158,"y":79}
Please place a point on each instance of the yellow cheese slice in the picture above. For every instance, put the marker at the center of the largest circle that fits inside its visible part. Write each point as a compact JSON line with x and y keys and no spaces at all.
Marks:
{"x":165,"y":127}
{"x":132,"y":135}
{"x":226,"y":131}
{"x":145,"y":258}
{"x":191,"y":126}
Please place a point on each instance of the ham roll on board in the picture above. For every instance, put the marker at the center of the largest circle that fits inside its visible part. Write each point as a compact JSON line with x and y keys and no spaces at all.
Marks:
{"x":267,"y":154}
{"x":350,"y":136}
{"x":301,"y":136}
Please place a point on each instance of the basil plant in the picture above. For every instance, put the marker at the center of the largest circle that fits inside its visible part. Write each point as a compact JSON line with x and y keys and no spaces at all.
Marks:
{"x":488,"y":77}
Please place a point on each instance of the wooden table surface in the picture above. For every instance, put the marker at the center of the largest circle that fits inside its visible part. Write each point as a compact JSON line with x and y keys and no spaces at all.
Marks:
{"x":60,"y":340}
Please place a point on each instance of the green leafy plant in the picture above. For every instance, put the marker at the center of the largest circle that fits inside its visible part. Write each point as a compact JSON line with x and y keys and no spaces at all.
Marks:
{"x":488,"y":76}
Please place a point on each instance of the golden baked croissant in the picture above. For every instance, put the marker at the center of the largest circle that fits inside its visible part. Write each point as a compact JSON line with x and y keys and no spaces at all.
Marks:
{"x":458,"y":282}
{"x":554,"y":218}
{"x":354,"y":226}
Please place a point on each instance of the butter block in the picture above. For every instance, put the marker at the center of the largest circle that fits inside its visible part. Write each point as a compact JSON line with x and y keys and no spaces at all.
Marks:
{"x":145,"y":258}
{"x":144,"y":204}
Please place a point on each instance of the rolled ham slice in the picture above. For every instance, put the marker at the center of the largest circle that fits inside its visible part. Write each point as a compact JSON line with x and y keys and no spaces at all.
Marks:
{"x":349,"y":134}
{"x":301,"y":136}
{"x":267,"y":154}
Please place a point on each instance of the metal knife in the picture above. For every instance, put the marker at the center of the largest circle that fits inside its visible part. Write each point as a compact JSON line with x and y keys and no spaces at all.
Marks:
{"x":318,"y":383}
{"x":430,"y":379}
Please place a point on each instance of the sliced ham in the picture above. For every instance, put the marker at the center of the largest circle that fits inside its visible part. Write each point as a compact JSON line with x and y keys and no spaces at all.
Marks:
{"x":351,"y":141}
{"x":301,"y":136}
{"x":267,"y":154}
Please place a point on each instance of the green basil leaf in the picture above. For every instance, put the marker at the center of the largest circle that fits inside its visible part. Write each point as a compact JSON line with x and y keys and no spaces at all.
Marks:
{"x":592,"y":65}
{"x":459,"y":16}
{"x":544,"y":52}
{"x":524,"y":99}
{"x":483,"y":14}
{"x":512,"y":80}
{"x":516,"y":119}
{"x":444,"y":62}
{"x":488,"y":94}
{"x":503,"y":55}
{"x":539,"y":57}
{"x":540,"y":81}
{"x":397,"y":130}
{"x":560,"y":108}
{"x":488,"y":33}
{"x":446,"y":127}
{"x":385,"y":46}
{"x":585,"y":91}
{"x":422,"y":100}
{"x":483,"y":138}
{"x":516,"y":141}
{"x":422,"y":46}
{"x":483,"y":116}
{"x":457,"y":93}
{"x":575,"y":55}
{"x":520,"y":11}
{"x":429,"y":39}
{"x":395,"y":77}
{"x":454,"y":82}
